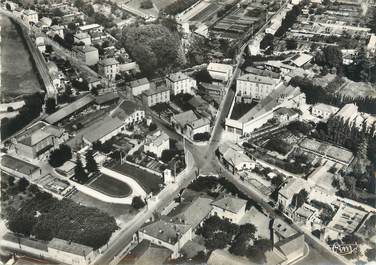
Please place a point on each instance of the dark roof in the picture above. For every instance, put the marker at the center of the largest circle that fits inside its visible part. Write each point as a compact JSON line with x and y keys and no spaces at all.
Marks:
{"x":105,"y":98}
{"x":70,"y":109}
{"x":157,"y":90}
{"x":139,"y":82}
{"x":102,"y":128}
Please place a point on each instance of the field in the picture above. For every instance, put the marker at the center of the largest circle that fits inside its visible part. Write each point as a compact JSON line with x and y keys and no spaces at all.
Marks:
{"x":111,"y":187}
{"x":148,"y":181}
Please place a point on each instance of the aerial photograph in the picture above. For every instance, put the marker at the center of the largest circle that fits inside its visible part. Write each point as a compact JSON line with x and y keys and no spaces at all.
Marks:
{"x":188,"y":132}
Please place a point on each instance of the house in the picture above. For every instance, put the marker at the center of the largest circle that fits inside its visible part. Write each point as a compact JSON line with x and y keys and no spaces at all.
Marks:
{"x":140,"y":85}
{"x":170,"y":235}
{"x":156,"y":95}
{"x":221,"y":72}
{"x":324,"y":111}
{"x":129,"y":112}
{"x":146,"y":253}
{"x":285,"y":115}
{"x":87,"y":54}
{"x":82,"y":37}
{"x":108,"y":68}
{"x":230,"y":208}
{"x":255,"y":86}
{"x":180,"y":120}
{"x":70,"y":109}
{"x":103,"y":130}
{"x":156,"y":143}
{"x":30,"y":16}
{"x":198,"y":126}
{"x":371,"y":46}
{"x":38,"y":139}
{"x":234,"y":159}
{"x":67,"y":169}
{"x":69,"y":252}
{"x":289,"y":249}
{"x":106,"y":99}
{"x":56,"y":30}
{"x":292,"y":187}
{"x":301,"y":59}
{"x":180,"y":83}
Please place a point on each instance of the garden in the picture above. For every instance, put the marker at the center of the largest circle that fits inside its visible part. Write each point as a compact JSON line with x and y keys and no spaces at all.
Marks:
{"x":111,"y":186}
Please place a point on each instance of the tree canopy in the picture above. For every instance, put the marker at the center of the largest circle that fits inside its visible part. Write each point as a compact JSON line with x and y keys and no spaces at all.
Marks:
{"x":59,"y":156}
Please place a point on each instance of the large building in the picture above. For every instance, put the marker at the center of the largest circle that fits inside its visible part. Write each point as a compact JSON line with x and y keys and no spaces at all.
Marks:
{"x":180,"y":83}
{"x":87,"y":54}
{"x":201,"y":125}
{"x":38,"y":139}
{"x":103,"y":130}
{"x":156,"y":143}
{"x":30,"y":16}
{"x":220,"y":72}
{"x":108,"y":68}
{"x":82,"y":37}
{"x":153,"y":96}
{"x":287,"y":192}
{"x":324,"y":111}
{"x":255,"y":86}
{"x":129,"y":112}
{"x":230,"y":208}
{"x":138,"y":86}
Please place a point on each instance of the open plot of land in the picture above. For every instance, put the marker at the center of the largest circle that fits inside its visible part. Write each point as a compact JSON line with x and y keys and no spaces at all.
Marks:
{"x":18,"y":165}
{"x":358,"y":89}
{"x":148,"y":181}
{"x":111,"y":186}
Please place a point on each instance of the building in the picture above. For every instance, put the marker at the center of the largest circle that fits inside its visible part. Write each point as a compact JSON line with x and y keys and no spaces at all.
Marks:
{"x":103,"y":130}
{"x":290,"y":249}
{"x":286,"y":115}
{"x":56,"y":30}
{"x":324,"y":111}
{"x":38,"y":139}
{"x":255,"y":86}
{"x":70,"y":252}
{"x":146,"y":253}
{"x":87,"y":54}
{"x":180,"y":83}
{"x":30,"y":16}
{"x":180,"y":120}
{"x":167,"y":234}
{"x":156,"y":143}
{"x":106,"y":99}
{"x":292,"y":187}
{"x":230,"y":208}
{"x":156,"y":95}
{"x":234,"y":159}
{"x":91,"y":28}
{"x":70,"y":109}
{"x":138,"y":86}
{"x":82,"y":37}
{"x":221,"y":72}
{"x":108,"y":68}
{"x":201,"y":125}
{"x":129,"y":112}
{"x":371,"y":46}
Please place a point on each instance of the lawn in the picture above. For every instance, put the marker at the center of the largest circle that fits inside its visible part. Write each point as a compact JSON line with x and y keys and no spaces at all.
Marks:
{"x":240,"y":109}
{"x":111,"y":187}
{"x":148,"y":181}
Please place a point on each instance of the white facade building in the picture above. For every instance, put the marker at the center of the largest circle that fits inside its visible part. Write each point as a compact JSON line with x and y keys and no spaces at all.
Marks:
{"x":230,"y":208}
{"x":109,"y":68}
{"x":157,"y":143}
{"x":220,"y":71}
{"x":154,"y":96}
{"x":255,"y":86}
{"x":323,"y":110}
{"x":180,"y":83}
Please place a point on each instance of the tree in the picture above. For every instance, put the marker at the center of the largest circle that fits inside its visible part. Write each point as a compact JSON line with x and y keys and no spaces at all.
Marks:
{"x":330,"y":56}
{"x":278,"y":180}
{"x":152,"y":127}
{"x":267,"y":41}
{"x":291,"y":44}
{"x":8,"y":7}
{"x":201,"y":136}
{"x":79,"y":172}
{"x":167,"y":155}
{"x":50,"y":105}
{"x":59,"y":156}
{"x":23,"y":184}
{"x":137,"y":202}
{"x":299,"y":198}
{"x":91,"y":164}
{"x":21,"y":222}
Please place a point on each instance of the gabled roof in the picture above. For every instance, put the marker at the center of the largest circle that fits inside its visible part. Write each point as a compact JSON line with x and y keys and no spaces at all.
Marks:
{"x":219,"y":67}
{"x":108,"y":62}
{"x":139,"y":82}
{"x":146,"y":253}
{"x":157,"y":139}
{"x":101,"y":128}
{"x":199,"y":123}
{"x":70,"y":247}
{"x":81,"y":35}
{"x":37,"y":132}
{"x":291,"y":244}
{"x":168,"y":232}
{"x":176,"y":77}
{"x":107,"y":97}
{"x":230,"y":204}
{"x":156,"y":90}
{"x":258,"y":79}
{"x":184,"y":118}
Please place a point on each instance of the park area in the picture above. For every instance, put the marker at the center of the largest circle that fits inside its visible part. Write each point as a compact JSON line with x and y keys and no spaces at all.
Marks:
{"x":111,"y":187}
{"x":148,"y":181}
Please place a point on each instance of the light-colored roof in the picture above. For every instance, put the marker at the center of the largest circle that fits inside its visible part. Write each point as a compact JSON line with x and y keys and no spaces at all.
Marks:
{"x":156,"y":90}
{"x":326,"y":108}
{"x":36,"y":244}
{"x":291,"y":244}
{"x":258,"y":79}
{"x":230,"y":204}
{"x":85,"y":49}
{"x":146,"y":253}
{"x":37,"y":132}
{"x":101,"y":128}
{"x":293,"y":185}
{"x":168,"y":232}
{"x":129,"y":107}
{"x":70,"y":109}
{"x":157,"y":138}
{"x":108,"y":62}
{"x":199,"y":123}
{"x":372,"y":42}
{"x":184,"y":118}
{"x":29,"y":12}
{"x":89,"y":27}
{"x":302,"y":59}
{"x":67,"y":166}
{"x":223,"y":257}
{"x":70,"y":247}
{"x":235,"y":157}
{"x":348,"y":112}
{"x":179,"y":76}
{"x":219,"y":67}
{"x":139,"y":82}
{"x":104,"y":98}
{"x":81,"y":35}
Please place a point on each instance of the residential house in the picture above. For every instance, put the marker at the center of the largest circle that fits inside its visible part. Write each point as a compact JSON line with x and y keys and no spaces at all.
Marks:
{"x":103,"y":130}
{"x":170,"y":235}
{"x":70,"y":109}
{"x":221,"y":72}
{"x":233,"y":157}
{"x":140,"y":85}
{"x":180,"y":120}
{"x":285,"y":115}
{"x":256,"y":86}
{"x":108,"y":68}
{"x":129,"y":112}
{"x":87,"y":54}
{"x":38,"y":139}
{"x":70,"y":253}
{"x":292,"y":187}
{"x":30,"y":16}
{"x":156,"y":143}
{"x":56,"y":30}
{"x":201,"y":125}
{"x":82,"y":37}
{"x":324,"y":111}
{"x":230,"y":208}
{"x":180,"y":83}
{"x":156,"y":95}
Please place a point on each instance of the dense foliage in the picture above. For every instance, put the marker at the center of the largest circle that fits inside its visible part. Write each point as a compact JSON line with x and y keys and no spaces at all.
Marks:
{"x":178,"y":6}
{"x":59,"y":156}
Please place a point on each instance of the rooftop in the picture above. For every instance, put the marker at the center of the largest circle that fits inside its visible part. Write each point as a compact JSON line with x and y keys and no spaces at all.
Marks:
{"x":37,"y":244}
{"x":139,"y":82}
{"x":101,"y":128}
{"x":199,"y":123}
{"x":70,"y":247}
{"x":156,"y":90}
{"x":326,"y":108}
{"x":176,"y":77}
{"x":259,"y":79}
{"x":145,"y":253}
{"x":157,"y":138}
{"x":107,"y":97}
{"x":18,"y":165}
{"x":168,"y":232}
{"x":184,"y":118}
{"x":230,"y":204}
{"x":89,"y":27}
{"x":302,"y":59}
{"x":29,"y":12}
{"x":235,"y":155}
{"x":108,"y":62}
{"x":289,"y":245}
{"x":84,"y":49}
{"x":283,"y":229}
{"x":38,"y":132}
{"x":219,"y":67}
{"x":81,"y":35}
{"x":348,"y":112}
{"x":70,"y":109}
{"x":293,"y":185}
